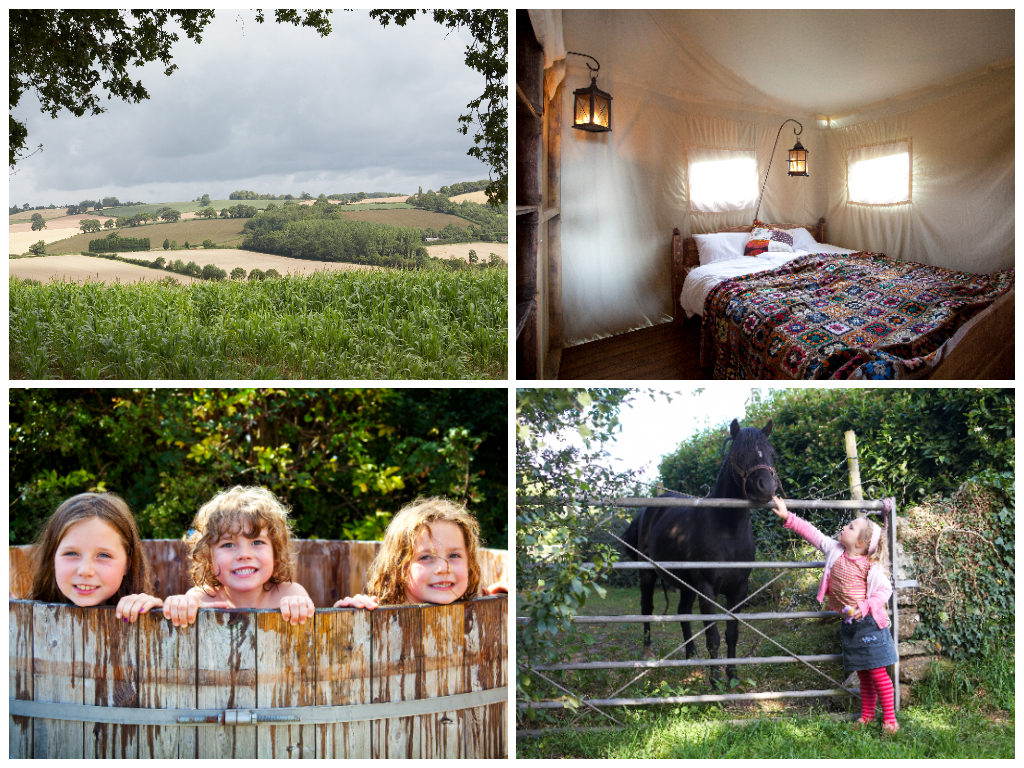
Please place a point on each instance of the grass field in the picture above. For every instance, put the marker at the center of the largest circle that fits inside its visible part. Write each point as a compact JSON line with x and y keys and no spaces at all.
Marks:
{"x":383,"y":324}
{"x":963,"y":712}
{"x":223,"y":232}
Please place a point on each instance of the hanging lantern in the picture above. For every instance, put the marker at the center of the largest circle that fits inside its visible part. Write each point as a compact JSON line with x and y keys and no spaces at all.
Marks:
{"x":798,"y":160}
{"x":592,"y":107}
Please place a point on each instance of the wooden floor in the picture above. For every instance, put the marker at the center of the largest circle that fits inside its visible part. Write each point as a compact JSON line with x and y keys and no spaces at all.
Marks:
{"x":666,"y":351}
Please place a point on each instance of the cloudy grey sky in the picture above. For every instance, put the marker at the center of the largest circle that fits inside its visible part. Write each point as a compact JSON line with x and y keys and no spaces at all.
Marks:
{"x":271,"y":108}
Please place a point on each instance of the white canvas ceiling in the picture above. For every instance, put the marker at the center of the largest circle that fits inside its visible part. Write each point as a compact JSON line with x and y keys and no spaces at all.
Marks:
{"x":685,"y":80}
{"x":834,"y":61}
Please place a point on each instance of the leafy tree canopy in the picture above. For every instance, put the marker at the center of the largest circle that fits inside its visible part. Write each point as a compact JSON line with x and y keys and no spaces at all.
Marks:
{"x":345,"y":460}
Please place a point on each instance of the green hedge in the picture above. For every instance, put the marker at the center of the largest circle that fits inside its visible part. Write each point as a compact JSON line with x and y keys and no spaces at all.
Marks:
{"x":114,"y":243}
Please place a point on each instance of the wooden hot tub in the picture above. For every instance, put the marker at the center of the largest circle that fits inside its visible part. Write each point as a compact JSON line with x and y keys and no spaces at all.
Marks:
{"x":396,"y":682}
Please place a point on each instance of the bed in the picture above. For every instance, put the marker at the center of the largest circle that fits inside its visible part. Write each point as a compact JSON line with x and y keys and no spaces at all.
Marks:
{"x":810,"y":310}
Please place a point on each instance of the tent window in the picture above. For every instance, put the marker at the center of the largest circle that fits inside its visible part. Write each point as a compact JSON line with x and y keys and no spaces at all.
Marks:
{"x":722,"y":180}
{"x":879,"y":174}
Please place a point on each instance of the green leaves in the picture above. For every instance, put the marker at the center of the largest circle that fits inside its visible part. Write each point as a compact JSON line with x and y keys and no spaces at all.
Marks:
{"x":345,"y":460}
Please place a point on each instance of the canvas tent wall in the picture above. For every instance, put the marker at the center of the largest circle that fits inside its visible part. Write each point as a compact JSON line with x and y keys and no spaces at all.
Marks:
{"x":673,"y":98}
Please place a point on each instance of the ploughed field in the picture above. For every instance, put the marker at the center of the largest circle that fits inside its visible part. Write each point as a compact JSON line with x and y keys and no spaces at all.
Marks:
{"x":374,"y":324}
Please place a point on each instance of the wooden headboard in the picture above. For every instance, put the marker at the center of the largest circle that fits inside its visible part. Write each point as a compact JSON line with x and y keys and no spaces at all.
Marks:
{"x":685,"y":257}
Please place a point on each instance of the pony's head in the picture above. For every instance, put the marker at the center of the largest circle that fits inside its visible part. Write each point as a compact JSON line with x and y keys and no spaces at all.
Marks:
{"x":751,"y":462}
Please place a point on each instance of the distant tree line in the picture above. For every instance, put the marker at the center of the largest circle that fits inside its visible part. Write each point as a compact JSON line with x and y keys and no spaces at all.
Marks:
{"x":345,"y":197}
{"x":191,"y":268}
{"x":488,"y":223}
{"x":73,"y":210}
{"x":464,"y":187}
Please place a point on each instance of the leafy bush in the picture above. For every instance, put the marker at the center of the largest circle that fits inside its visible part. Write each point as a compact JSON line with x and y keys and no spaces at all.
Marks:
{"x":345,"y":460}
{"x":963,"y":550}
{"x":912,"y":443}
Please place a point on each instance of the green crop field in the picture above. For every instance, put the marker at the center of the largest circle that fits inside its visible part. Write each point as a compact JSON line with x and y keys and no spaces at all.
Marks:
{"x":385,"y":324}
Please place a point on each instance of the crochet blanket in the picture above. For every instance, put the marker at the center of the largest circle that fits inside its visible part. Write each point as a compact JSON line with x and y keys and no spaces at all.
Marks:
{"x":828,"y":316}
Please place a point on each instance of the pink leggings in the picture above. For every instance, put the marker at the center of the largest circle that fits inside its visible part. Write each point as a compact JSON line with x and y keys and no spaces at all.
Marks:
{"x":875,"y":684}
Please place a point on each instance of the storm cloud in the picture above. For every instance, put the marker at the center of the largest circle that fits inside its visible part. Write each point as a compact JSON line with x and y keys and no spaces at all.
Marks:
{"x":272,"y":108}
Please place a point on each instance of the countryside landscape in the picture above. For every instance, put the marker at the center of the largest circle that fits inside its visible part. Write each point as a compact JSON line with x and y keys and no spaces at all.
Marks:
{"x":186,"y":202}
{"x":363,"y":285}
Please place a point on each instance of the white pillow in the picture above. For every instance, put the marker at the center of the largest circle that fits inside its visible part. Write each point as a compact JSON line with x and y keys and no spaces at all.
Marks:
{"x":802,"y":239}
{"x":720,"y":246}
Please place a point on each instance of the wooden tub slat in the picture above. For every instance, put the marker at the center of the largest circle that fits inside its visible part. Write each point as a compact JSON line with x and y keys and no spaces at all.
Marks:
{"x":20,"y":676}
{"x":397,"y":663}
{"x":485,"y":667}
{"x":226,"y":679}
{"x":57,"y":677}
{"x":167,"y":680}
{"x":286,"y":662}
{"x":343,"y":677}
{"x":109,"y":680}
{"x":21,"y":569}
{"x":443,"y":644}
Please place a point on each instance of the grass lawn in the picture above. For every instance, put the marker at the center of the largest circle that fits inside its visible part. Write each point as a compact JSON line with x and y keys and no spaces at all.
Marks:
{"x":937,"y":723}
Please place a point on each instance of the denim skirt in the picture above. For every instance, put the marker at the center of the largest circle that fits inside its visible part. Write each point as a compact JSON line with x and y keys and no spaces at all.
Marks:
{"x":865,"y":646}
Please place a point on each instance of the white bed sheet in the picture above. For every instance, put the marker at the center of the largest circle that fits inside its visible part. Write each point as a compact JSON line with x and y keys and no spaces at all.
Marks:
{"x":701,"y":280}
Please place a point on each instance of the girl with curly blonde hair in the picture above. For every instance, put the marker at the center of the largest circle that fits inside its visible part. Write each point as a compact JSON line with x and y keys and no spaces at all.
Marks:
{"x":429,"y":555}
{"x":240,"y":550}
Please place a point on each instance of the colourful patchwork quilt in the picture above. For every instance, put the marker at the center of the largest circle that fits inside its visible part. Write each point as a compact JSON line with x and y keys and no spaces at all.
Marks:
{"x":838,"y":316}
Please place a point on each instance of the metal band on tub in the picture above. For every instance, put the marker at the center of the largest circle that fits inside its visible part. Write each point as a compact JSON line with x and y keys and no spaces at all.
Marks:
{"x":310,"y":715}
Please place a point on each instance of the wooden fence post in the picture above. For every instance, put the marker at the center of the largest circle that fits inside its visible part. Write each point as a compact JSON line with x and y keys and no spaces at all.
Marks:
{"x":856,"y":491}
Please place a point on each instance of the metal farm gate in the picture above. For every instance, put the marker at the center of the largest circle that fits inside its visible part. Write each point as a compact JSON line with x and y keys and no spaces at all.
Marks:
{"x":887,"y":509}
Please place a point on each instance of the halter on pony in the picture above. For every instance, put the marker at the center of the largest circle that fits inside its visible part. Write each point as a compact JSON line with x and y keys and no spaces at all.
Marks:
{"x":743,"y":474}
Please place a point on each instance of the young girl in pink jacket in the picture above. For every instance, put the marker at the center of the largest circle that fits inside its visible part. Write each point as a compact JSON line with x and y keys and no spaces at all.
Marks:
{"x":856,"y":579}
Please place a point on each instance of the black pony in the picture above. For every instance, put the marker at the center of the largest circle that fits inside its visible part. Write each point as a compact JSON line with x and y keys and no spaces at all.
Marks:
{"x":704,"y":534}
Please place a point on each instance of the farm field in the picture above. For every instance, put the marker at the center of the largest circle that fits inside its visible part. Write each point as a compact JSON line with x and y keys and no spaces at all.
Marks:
{"x":221,"y":231}
{"x":471,"y":197}
{"x":18,"y":242}
{"x":379,"y":324}
{"x":79,"y":269}
{"x":461,"y":251}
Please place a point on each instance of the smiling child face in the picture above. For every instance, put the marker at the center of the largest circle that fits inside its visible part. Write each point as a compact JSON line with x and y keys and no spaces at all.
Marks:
{"x":90,"y":562}
{"x":439,"y":570}
{"x":241,"y":564}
